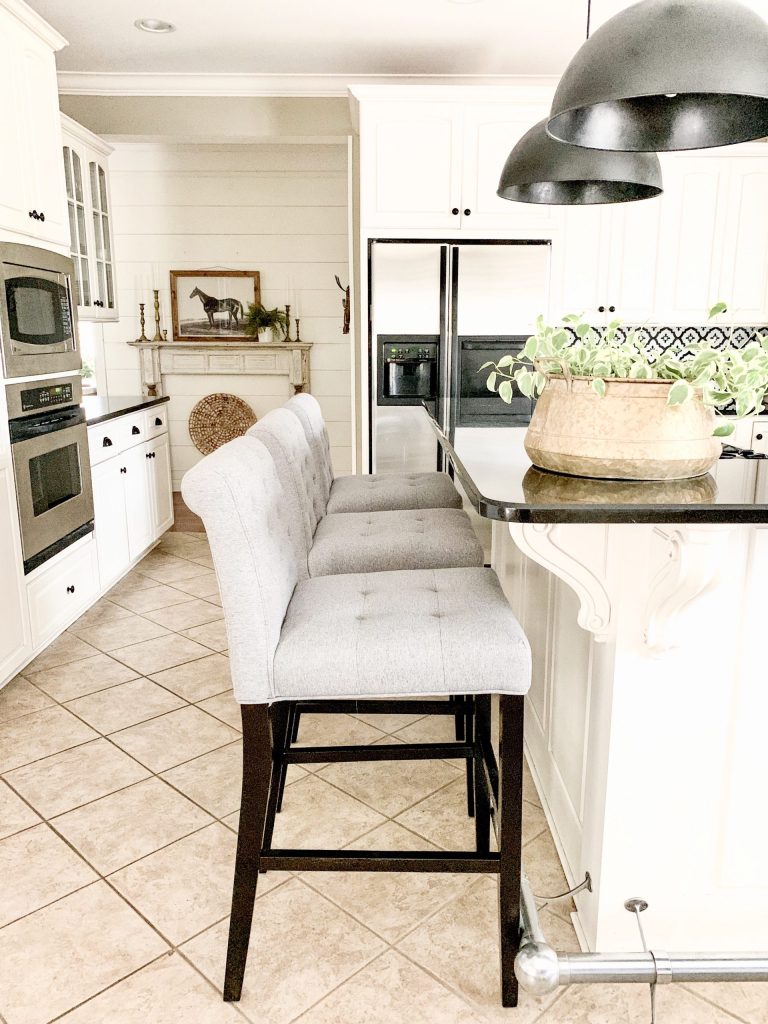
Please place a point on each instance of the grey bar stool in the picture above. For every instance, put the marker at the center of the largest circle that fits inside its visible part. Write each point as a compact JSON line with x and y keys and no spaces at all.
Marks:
{"x":370,"y":492}
{"x":328,"y":640}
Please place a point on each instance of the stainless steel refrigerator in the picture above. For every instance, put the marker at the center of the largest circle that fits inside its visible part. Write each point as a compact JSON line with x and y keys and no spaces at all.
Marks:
{"x":438,"y":311}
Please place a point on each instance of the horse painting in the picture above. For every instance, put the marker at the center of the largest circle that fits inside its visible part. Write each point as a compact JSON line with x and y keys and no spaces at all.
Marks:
{"x":232,"y":307}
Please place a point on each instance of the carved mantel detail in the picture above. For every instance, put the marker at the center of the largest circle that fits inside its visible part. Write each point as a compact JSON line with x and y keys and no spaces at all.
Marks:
{"x":581,"y":565}
{"x":287,"y":358}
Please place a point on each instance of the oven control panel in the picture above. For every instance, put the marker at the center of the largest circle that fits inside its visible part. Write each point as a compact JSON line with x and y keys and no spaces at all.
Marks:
{"x":46,"y":397}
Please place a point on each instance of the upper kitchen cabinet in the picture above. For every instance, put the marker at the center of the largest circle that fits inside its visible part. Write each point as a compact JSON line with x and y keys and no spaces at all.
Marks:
{"x":86,"y":173}
{"x":32,"y":206}
{"x":431,"y":165}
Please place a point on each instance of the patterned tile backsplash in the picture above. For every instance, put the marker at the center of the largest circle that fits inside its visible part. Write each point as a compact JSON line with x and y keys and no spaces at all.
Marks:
{"x":660,"y":339}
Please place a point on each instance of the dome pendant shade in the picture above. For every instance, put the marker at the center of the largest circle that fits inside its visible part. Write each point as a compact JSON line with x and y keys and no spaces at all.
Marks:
{"x":667,"y":75}
{"x":542,"y":170}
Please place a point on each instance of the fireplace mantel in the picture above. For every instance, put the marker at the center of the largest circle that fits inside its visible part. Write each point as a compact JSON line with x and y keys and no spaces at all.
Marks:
{"x":286,"y":358}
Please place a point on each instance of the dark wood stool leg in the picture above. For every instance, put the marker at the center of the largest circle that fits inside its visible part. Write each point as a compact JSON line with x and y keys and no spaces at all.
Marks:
{"x":280,"y":719}
{"x":469,"y":733}
{"x":460,"y":722}
{"x":510,"y":826}
{"x":288,"y":738}
{"x":482,"y":802}
{"x":257,"y":771}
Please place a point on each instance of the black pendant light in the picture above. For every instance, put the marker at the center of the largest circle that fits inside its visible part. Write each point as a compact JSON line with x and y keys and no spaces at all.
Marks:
{"x":542,"y":170}
{"x":667,"y":75}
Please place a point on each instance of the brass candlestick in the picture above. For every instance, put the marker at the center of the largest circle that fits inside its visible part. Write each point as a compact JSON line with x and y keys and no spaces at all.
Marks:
{"x":287,"y":323}
{"x":158,"y":335}
{"x":142,"y":336}
{"x":298,"y":336}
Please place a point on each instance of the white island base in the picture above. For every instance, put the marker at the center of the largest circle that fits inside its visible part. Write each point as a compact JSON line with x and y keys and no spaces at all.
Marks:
{"x":647,"y":722}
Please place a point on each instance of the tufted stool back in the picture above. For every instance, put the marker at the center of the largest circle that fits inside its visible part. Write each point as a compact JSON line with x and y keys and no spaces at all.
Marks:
{"x":283,"y":436}
{"x":307,"y":409}
{"x":237,"y":494}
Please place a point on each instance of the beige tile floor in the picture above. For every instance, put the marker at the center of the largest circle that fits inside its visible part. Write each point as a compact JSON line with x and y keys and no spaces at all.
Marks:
{"x":119,"y":778}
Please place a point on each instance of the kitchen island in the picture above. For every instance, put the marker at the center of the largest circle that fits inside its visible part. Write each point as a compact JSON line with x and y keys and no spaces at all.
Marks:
{"x":645,"y":721}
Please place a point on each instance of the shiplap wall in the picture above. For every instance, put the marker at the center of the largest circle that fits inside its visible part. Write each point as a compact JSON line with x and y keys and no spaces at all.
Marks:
{"x":280,"y":209}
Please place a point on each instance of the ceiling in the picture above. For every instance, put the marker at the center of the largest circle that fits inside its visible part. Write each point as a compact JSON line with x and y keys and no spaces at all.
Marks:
{"x":336,"y":37}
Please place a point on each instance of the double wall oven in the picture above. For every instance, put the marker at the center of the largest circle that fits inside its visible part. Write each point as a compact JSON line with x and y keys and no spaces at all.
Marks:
{"x":46,"y":423}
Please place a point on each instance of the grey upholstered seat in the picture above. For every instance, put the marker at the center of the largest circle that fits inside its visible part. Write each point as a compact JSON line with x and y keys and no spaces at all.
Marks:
{"x":357,"y":541}
{"x":428,"y":631}
{"x":435,"y":631}
{"x":376,"y":492}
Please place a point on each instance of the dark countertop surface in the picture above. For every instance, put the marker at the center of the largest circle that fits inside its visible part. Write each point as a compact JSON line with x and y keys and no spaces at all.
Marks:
{"x":99,"y":408}
{"x":492,"y":467}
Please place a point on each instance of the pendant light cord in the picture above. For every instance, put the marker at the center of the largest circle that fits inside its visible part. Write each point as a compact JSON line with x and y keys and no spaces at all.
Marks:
{"x":589,"y":15}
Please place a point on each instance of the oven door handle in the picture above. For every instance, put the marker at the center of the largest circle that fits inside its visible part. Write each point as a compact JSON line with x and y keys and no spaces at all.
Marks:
{"x":26,"y":428}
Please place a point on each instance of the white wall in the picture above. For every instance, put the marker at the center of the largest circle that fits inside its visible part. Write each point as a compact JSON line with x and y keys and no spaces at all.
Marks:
{"x":280,"y":209}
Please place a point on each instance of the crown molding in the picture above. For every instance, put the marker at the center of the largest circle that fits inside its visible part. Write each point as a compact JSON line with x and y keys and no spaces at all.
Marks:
{"x":82,"y":134}
{"x":103,"y":83}
{"x":24,"y":13}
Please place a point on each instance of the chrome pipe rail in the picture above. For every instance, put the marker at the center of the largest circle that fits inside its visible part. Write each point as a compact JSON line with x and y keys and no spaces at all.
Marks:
{"x":540,"y":969}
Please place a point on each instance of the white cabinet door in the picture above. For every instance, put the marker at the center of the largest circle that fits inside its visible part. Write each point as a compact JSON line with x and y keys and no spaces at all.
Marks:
{"x":491,"y":130}
{"x":410,"y":165}
{"x":632,"y":283}
{"x":580,"y":257}
{"x":693,"y":221}
{"x":744,"y":274}
{"x":161,"y":495}
{"x":138,"y":502}
{"x":111,"y":527}
{"x":14,"y":625}
{"x":105,"y":300}
{"x":36,"y":69}
{"x":14,"y":213}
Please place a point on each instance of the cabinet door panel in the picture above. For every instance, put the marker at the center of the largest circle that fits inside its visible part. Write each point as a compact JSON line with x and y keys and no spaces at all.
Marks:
{"x":14,"y":627}
{"x":744,"y":278}
{"x":490,"y":132}
{"x":410,"y":165}
{"x":14,"y":214}
{"x":692,"y":235}
{"x":138,"y":511}
{"x":580,"y":260}
{"x":111,"y":527}
{"x":633,"y":254}
{"x":160,"y":485}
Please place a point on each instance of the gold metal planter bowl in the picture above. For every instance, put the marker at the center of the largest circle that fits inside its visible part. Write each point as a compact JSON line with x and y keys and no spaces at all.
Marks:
{"x":629,"y":434}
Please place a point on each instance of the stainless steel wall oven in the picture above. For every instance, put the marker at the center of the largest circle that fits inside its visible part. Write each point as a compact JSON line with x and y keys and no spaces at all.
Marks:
{"x":49,"y":442}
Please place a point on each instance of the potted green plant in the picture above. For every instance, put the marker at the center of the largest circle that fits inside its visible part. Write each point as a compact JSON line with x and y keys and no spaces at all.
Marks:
{"x":259,"y":319}
{"x":88,"y":379}
{"x":607,"y":408}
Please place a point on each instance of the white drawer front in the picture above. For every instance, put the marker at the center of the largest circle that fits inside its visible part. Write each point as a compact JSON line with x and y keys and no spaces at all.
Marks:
{"x":760,"y":436}
{"x":131,"y":430}
{"x":103,"y":441}
{"x":156,"y":421}
{"x":62,"y":590}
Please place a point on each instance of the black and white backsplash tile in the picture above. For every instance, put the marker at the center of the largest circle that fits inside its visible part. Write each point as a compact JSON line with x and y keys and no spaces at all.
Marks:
{"x":658,"y":339}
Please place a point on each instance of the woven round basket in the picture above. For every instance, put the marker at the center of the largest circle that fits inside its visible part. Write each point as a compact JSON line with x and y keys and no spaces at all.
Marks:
{"x":217,"y":419}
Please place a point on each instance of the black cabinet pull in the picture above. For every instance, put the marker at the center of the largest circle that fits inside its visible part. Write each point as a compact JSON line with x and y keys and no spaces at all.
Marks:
{"x":758,"y":437}
{"x":467,"y":213}
{"x":611,"y":309}
{"x":455,"y":211}
{"x":123,"y":469}
{"x":148,"y":455}
{"x":42,"y":217}
{"x":70,"y":590}
{"x":135,"y":430}
{"x":158,"y":421}
{"x":601,"y":309}
{"x":106,"y":443}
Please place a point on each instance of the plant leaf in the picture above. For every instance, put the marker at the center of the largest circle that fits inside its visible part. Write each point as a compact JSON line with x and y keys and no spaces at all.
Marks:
{"x":724,"y":430}
{"x":679,"y":393}
{"x":491,"y":382}
{"x":505,"y":391}
{"x":506,"y":361}
{"x":717,"y":309}
{"x":598,"y":386}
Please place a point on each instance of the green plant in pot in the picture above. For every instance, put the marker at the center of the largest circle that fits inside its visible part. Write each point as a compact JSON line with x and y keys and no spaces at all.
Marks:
{"x":607,"y":408}
{"x":259,"y":319}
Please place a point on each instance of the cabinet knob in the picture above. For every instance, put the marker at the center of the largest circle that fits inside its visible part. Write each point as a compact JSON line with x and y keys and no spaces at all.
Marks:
{"x":467,"y":213}
{"x":158,"y":421}
{"x":71,"y":590}
{"x":42,"y":217}
{"x":123,"y":469}
{"x":455,"y":211}
{"x":758,"y":437}
{"x":611,"y":309}
{"x":135,"y":430}
{"x":601,"y":309}
{"x":106,"y":443}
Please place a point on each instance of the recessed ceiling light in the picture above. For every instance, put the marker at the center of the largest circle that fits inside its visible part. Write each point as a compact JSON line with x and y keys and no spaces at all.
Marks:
{"x":154,"y":25}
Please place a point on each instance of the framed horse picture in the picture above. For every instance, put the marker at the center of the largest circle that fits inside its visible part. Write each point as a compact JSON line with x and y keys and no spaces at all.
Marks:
{"x":212,"y":304}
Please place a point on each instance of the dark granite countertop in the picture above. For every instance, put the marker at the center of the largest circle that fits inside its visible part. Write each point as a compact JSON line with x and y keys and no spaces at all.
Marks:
{"x":492,"y":467}
{"x":99,"y":408}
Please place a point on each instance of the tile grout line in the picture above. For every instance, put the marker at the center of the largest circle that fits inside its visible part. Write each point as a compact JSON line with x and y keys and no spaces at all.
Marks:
{"x":101,"y":991}
{"x":691,"y":990}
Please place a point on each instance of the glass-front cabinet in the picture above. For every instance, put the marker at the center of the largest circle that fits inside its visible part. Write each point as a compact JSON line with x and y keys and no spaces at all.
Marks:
{"x":86,"y":171}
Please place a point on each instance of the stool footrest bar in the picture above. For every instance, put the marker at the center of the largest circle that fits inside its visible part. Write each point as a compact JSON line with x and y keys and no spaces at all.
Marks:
{"x":382,"y":706}
{"x":380,"y":752}
{"x":378,"y":860}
